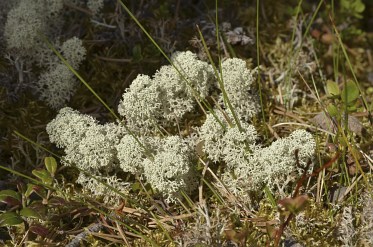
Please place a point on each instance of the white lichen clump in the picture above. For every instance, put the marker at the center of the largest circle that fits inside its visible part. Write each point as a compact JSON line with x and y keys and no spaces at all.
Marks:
{"x":27,"y":23}
{"x":167,"y":97}
{"x":251,"y":166}
{"x":272,"y":166}
{"x":131,"y":154}
{"x":238,"y":82}
{"x":223,"y":140}
{"x":141,"y":104}
{"x":151,"y":105}
{"x":88,"y":144}
{"x":95,"y":6}
{"x":171,"y":170}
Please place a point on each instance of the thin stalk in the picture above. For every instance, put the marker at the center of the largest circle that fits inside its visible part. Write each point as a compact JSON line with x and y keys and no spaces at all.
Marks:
{"x":184,"y":78}
{"x":218,"y":75}
{"x":79,"y":77}
{"x":289,"y":67}
{"x":370,"y":117}
{"x":258,"y":63}
{"x":216,"y":194}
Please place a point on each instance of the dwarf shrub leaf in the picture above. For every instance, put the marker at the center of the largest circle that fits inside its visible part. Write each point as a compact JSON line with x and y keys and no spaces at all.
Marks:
{"x":350,"y":92}
{"x":332,"y":88}
{"x":10,"y":219}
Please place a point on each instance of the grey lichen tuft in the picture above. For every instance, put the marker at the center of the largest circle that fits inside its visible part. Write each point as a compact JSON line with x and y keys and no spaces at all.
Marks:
{"x":95,"y":6}
{"x":58,"y":84}
{"x":168,"y":164}
{"x":166,"y":98}
{"x":238,"y":82}
{"x":271,"y":166}
{"x":27,"y":23}
{"x":171,"y":170}
{"x":141,"y":104}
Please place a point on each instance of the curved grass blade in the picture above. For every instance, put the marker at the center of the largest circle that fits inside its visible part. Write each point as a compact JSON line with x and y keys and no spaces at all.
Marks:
{"x":258,"y":63}
{"x":195,"y":92}
{"x":49,"y":44}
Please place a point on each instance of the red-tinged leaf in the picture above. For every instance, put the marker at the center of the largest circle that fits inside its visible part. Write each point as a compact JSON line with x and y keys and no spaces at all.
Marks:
{"x":10,"y":219}
{"x":294,"y":205}
{"x":39,"y":230}
{"x":10,"y":201}
{"x":56,"y":201}
{"x":10,"y":193}
{"x":40,"y":191}
{"x":271,"y":231}
{"x":30,"y":213}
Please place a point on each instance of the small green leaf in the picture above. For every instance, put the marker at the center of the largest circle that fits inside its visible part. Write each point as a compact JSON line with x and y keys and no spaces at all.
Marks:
{"x":332,"y":88}
{"x":40,"y":173}
{"x":352,"y":108}
{"x":10,"y":193}
{"x":136,"y":186}
{"x":350,"y":92}
{"x":358,"y":6}
{"x":10,"y":219}
{"x":30,"y":213}
{"x":51,"y":165}
{"x":43,"y":175}
{"x":30,"y":189}
{"x":332,"y":110}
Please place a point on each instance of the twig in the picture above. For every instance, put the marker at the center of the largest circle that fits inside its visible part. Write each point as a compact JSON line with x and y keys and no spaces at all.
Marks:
{"x":81,"y":236}
{"x":304,"y":176}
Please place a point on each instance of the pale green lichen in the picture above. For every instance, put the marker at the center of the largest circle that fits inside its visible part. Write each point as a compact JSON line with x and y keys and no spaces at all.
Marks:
{"x":27,"y":23}
{"x":171,"y":170}
{"x":168,"y":164}
{"x":166,"y":98}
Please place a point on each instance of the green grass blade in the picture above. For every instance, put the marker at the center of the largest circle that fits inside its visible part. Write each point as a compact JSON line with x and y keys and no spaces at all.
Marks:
{"x":258,"y":63}
{"x":216,"y":194}
{"x":49,"y":44}
{"x":352,"y":70}
{"x":195,"y":92}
